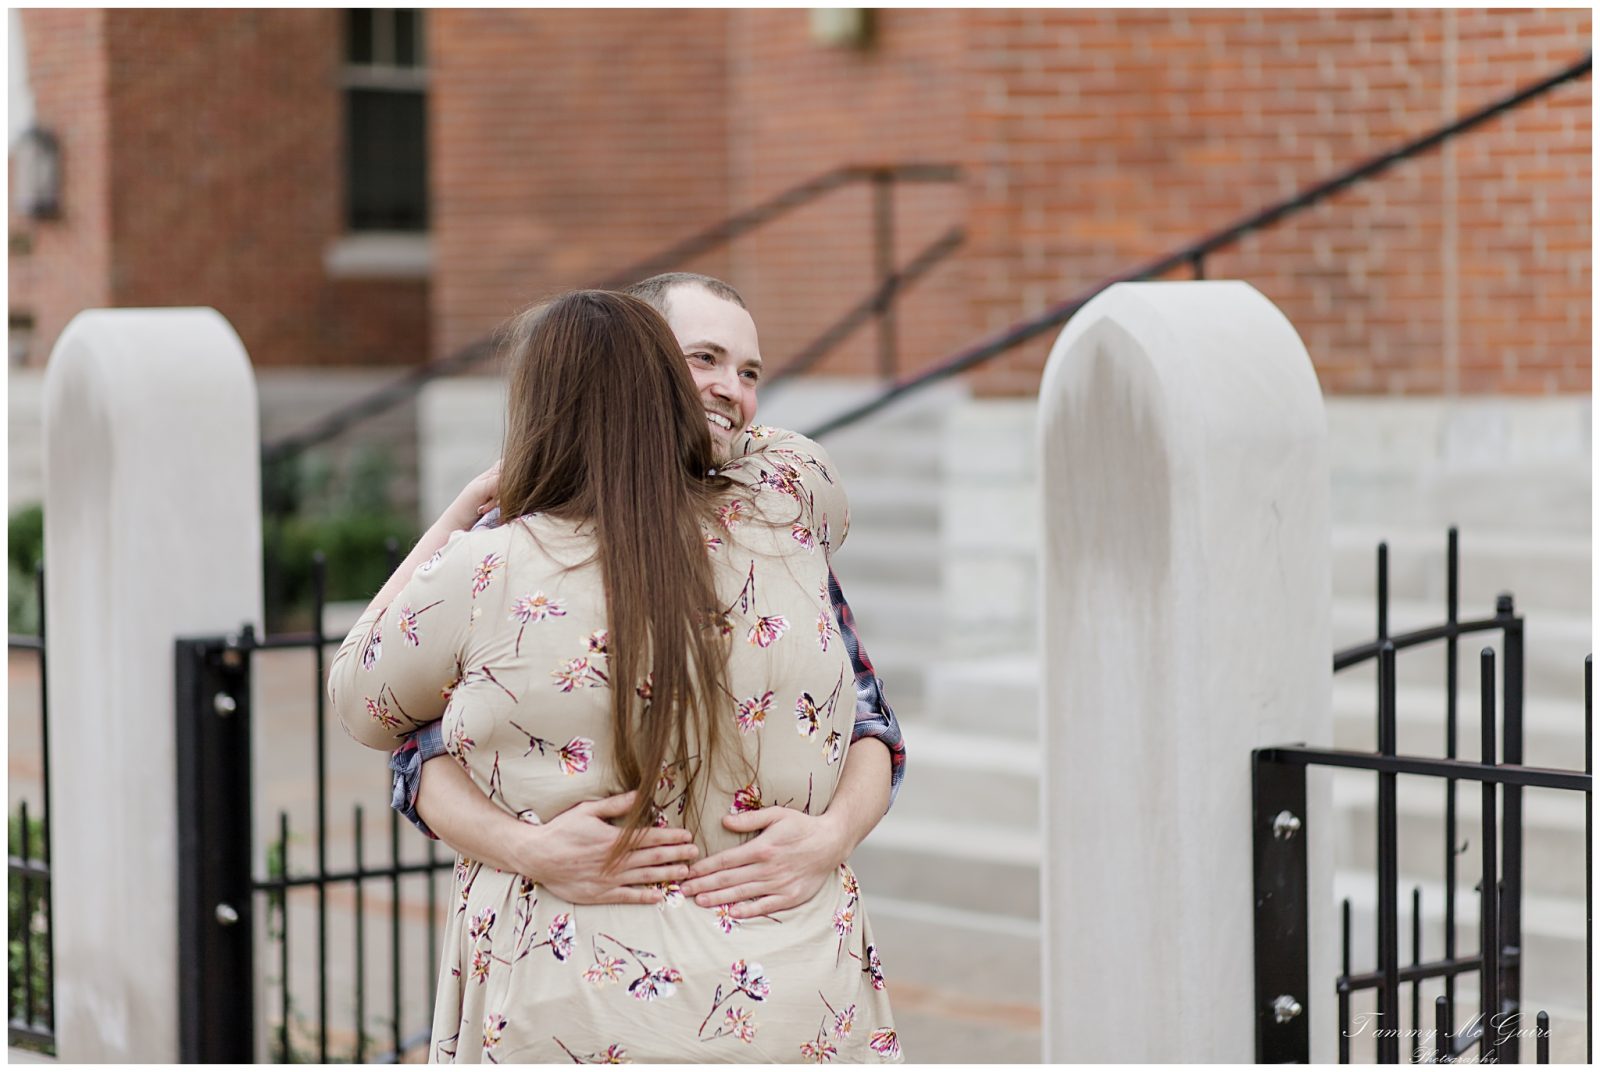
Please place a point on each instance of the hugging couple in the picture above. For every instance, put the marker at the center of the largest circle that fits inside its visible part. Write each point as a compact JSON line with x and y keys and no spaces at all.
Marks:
{"x":658,"y":739}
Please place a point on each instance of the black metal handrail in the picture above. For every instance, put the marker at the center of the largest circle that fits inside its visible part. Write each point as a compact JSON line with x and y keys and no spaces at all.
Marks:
{"x":1194,"y":253}
{"x":874,"y":304}
{"x":883,"y":178}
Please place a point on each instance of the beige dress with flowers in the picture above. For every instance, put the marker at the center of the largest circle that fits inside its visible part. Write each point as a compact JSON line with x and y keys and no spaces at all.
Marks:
{"x":500,"y":635}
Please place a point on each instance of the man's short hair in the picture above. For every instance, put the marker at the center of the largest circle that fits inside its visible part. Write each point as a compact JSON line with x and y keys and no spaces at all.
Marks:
{"x":655,"y":289}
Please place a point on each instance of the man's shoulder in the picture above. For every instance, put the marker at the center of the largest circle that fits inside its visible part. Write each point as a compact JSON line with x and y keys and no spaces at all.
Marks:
{"x":761,"y":441}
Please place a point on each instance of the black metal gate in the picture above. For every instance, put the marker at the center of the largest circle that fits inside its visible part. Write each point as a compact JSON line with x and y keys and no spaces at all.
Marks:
{"x":30,"y":952}
{"x":225,"y":908}
{"x":1283,"y":992}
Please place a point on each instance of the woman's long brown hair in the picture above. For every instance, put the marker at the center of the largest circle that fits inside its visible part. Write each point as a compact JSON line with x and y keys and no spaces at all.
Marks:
{"x":604,"y":425}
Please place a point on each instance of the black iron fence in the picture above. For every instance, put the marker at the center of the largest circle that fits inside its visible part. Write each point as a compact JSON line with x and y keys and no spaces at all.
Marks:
{"x":1283,"y":991}
{"x":236,"y":903}
{"x":30,"y":961}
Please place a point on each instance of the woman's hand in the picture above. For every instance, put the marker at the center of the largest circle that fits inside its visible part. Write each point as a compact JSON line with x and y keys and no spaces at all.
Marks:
{"x":782,"y":867}
{"x":475,"y":500}
{"x":568,"y":854}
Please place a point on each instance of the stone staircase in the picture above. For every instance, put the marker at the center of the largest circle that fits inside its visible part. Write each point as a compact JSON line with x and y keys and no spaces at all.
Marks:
{"x":953,"y":870}
{"x":952,"y":893}
{"x":891,"y":563}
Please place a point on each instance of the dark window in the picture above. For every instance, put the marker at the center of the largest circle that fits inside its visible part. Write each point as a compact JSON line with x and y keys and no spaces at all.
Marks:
{"x":386,"y":143}
{"x":358,"y":37}
{"x":21,"y":338}
{"x":408,"y":38}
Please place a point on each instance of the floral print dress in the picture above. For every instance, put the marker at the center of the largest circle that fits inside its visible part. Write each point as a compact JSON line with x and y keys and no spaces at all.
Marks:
{"x":503,"y":633}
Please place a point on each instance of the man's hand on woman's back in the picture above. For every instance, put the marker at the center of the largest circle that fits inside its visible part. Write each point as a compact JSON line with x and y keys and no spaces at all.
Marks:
{"x":567,"y":854}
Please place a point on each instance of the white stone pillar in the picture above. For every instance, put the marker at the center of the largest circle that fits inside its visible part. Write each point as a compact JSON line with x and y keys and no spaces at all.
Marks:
{"x":1185,"y":621}
{"x":152,"y":531}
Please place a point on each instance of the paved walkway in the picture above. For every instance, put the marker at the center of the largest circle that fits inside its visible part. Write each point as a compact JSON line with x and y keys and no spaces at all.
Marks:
{"x":15,"y":1056}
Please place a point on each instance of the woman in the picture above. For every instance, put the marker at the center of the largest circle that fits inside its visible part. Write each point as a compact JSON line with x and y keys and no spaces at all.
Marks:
{"x":643,"y":624}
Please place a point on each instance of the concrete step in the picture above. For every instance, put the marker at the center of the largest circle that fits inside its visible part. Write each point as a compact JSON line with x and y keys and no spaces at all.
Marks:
{"x":964,"y":985}
{"x":16,"y":1055}
{"x":996,"y":695}
{"x":999,"y":694}
{"x":803,"y":403}
{"x":1553,"y":927}
{"x":1539,"y":497}
{"x":956,"y":766}
{"x":1544,"y":571}
{"x":910,"y":454}
{"x":930,"y":847}
{"x":959,"y":771}
{"x":1554,"y":646}
{"x":902,"y":441}
{"x":1552,"y":833}
{"x":964,"y":1029}
{"x":902,"y":668}
{"x":1553,"y":957}
{"x":881,"y":554}
{"x":968,"y":865}
{"x":911,"y":615}
{"x":880,"y":500}
{"x":1552,"y":728}
{"x":933,"y":944}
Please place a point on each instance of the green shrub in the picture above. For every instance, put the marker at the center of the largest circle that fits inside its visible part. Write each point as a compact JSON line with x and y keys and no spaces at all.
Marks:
{"x":353,"y":546}
{"x":310,"y":504}
{"x":26,"y":534}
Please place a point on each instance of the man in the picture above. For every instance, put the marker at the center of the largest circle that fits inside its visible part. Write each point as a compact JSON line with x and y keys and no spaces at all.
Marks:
{"x":792,"y":853}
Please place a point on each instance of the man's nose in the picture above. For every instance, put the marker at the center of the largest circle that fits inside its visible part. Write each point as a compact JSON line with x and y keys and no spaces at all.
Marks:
{"x":725,"y":384}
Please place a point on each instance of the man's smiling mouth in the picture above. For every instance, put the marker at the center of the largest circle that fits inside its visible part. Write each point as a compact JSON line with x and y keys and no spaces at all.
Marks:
{"x":717,"y":420}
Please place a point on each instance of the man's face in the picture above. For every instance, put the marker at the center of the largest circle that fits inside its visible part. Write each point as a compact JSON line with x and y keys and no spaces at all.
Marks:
{"x":719,"y":342}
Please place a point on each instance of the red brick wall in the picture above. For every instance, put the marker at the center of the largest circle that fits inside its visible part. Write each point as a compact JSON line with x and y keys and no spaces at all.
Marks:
{"x":798,"y":109}
{"x":1091,"y":140}
{"x":565,"y":146}
{"x":61,"y":266}
{"x":1100,"y":139}
{"x":221,"y":184}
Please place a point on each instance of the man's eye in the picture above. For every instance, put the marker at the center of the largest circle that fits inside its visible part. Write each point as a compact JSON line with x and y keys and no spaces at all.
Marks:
{"x":702,"y":357}
{"x":752,"y":375}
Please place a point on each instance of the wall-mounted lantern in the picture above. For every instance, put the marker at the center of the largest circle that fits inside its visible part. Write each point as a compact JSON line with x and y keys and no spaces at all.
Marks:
{"x":842,"y":27}
{"x":37,"y":192}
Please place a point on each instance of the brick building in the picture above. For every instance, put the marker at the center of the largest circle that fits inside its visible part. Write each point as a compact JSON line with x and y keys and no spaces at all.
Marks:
{"x":223,"y":157}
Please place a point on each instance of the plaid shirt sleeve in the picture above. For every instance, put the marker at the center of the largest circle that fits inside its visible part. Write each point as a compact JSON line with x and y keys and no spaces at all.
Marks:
{"x":406,"y":766}
{"x":874,"y":716}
